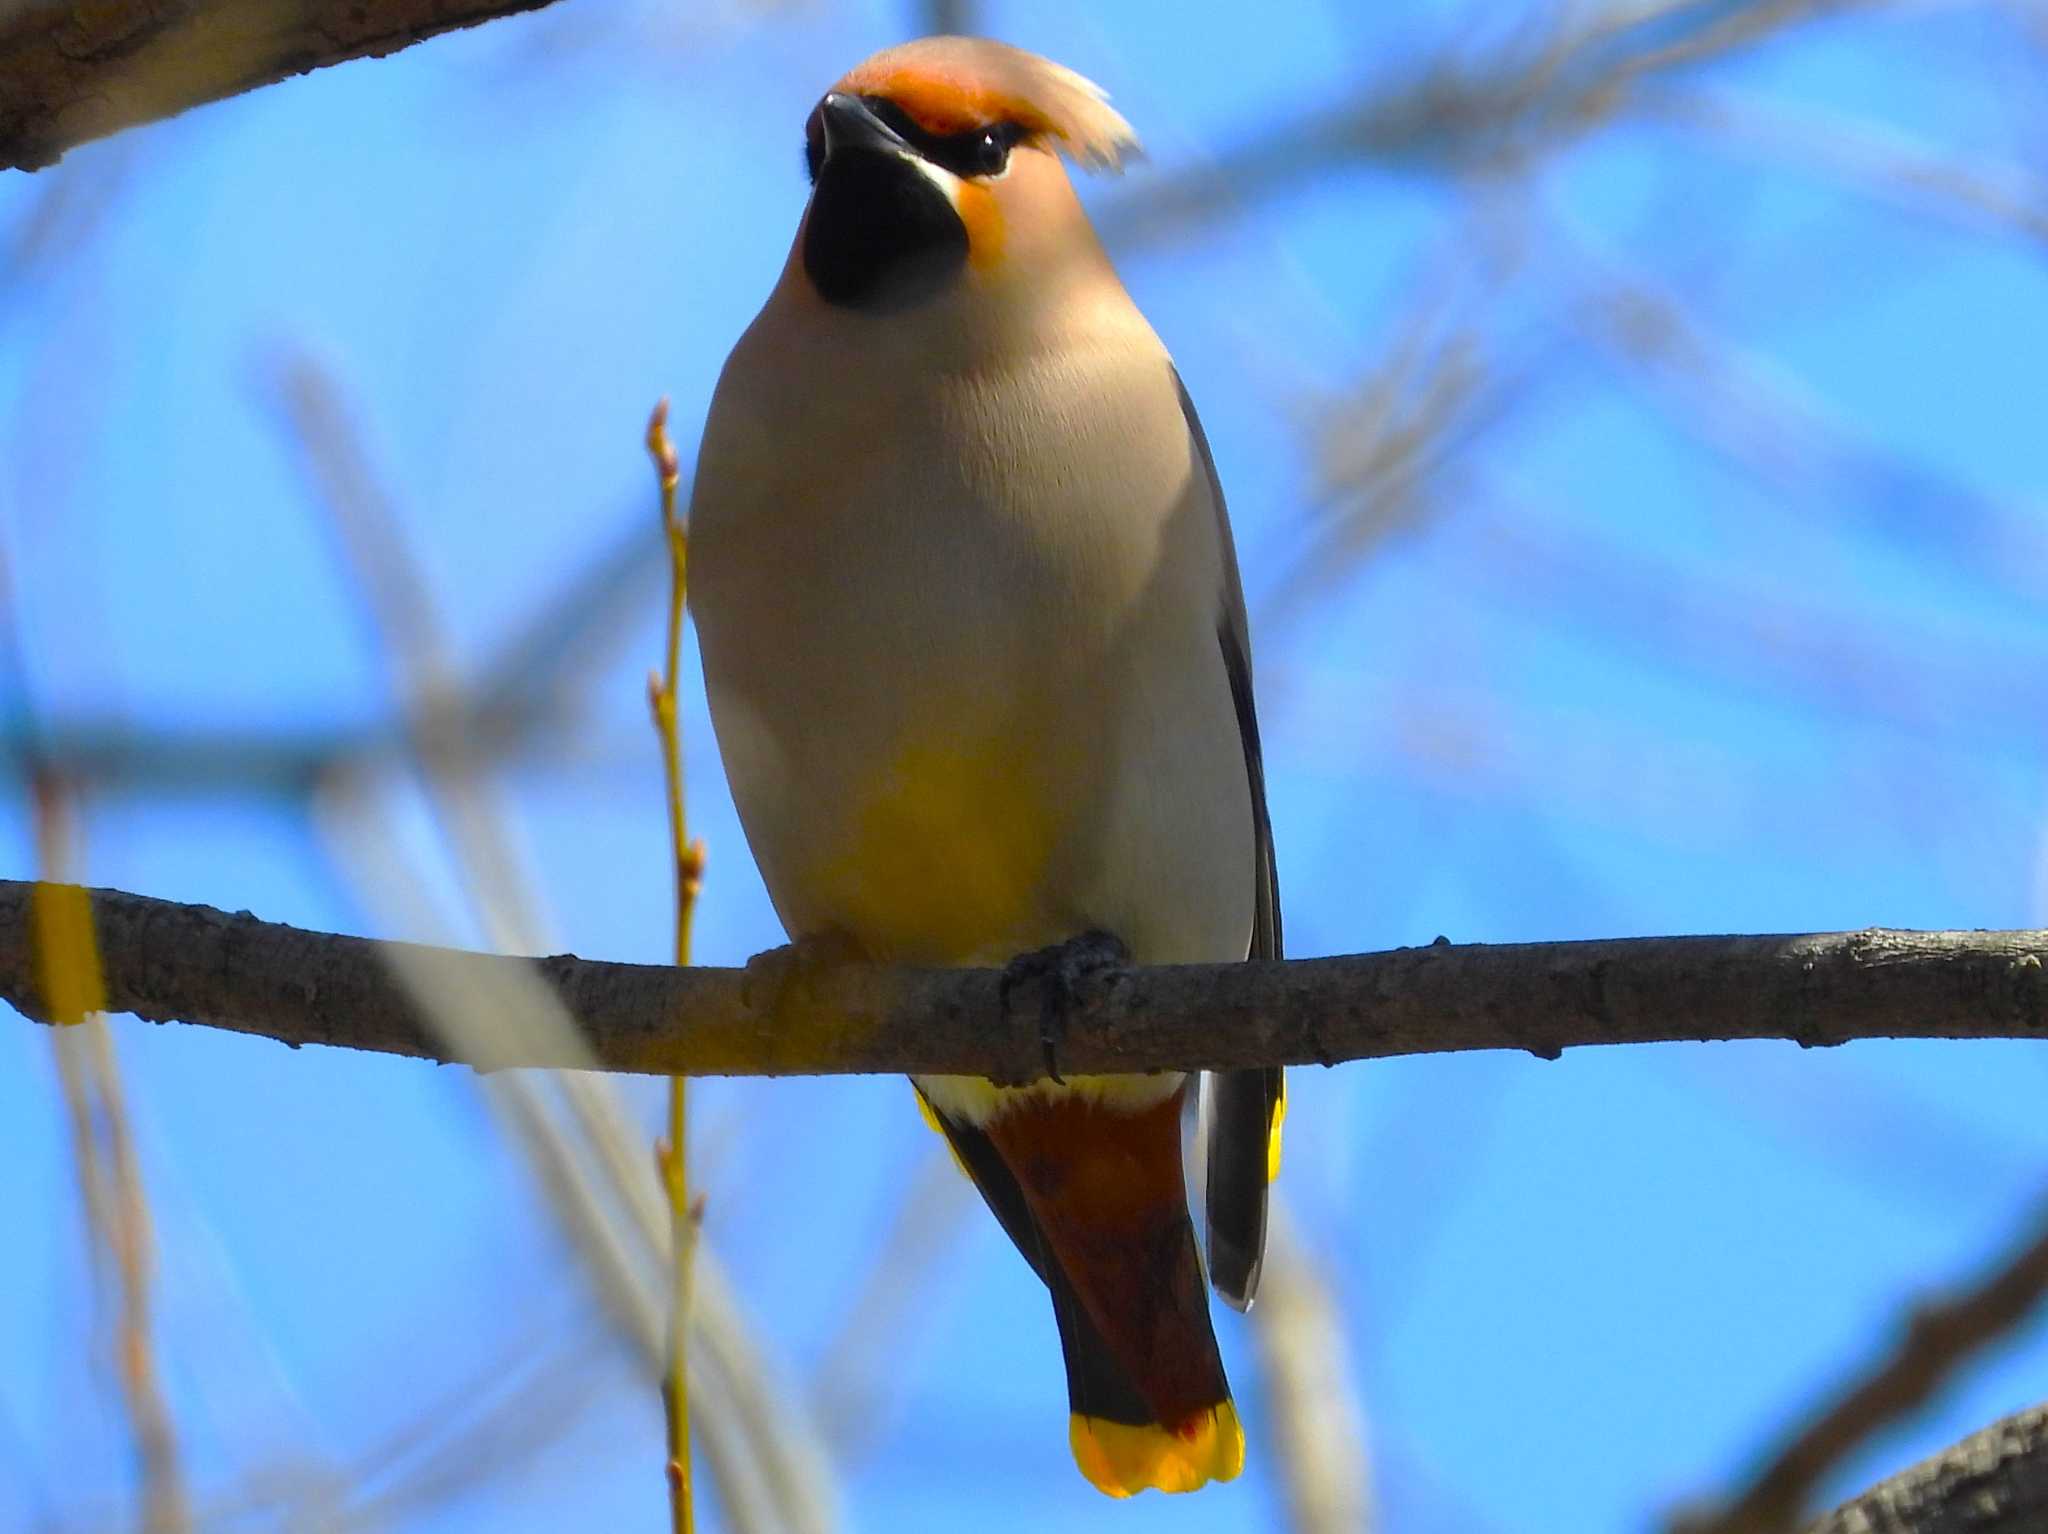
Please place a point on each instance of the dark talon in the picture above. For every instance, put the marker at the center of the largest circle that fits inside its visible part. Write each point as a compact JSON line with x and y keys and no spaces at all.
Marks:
{"x":1052,"y":1032}
{"x":1062,"y":973}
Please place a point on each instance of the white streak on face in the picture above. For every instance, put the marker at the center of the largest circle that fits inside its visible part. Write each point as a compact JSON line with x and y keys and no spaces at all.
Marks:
{"x":940,"y":177}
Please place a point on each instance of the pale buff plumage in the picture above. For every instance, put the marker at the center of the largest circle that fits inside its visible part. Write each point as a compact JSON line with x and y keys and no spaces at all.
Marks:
{"x":971,"y":546}
{"x":970,"y":620}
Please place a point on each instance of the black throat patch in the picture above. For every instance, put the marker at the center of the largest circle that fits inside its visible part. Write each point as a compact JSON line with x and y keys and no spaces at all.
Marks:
{"x":881,"y":236}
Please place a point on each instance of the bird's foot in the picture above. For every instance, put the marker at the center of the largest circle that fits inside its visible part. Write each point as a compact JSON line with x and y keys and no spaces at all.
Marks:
{"x":1065,"y":975}
{"x":792,"y":971}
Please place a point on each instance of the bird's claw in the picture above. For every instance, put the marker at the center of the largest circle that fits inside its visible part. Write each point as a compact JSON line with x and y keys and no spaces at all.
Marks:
{"x":1064,"y":975}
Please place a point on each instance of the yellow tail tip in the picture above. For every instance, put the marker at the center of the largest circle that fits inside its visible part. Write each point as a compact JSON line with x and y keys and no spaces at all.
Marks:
{"x":1121,"y":1459}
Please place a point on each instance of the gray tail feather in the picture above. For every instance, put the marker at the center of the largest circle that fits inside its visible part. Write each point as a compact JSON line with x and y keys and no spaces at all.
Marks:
{"x":1241,"y":1109}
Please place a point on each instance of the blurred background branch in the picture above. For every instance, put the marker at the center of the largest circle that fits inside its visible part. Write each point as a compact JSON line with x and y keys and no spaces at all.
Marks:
{"x":584,"y":1149}
{"x":1939,"y":1338}
{"x":114,"y":1206}
{"x":1487,"y":108}
{"x":1319,"y":1429}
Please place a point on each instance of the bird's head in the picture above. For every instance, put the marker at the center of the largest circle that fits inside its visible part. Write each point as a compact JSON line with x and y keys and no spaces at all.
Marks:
{"x":938,"y":162}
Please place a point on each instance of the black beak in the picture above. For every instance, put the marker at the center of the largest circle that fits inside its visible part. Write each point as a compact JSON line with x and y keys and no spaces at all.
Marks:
{"x":879,"y":235}
{"x":848,"y":124}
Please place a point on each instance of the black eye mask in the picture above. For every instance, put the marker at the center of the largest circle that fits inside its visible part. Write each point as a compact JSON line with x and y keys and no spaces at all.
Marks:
{"x":976,"y":152}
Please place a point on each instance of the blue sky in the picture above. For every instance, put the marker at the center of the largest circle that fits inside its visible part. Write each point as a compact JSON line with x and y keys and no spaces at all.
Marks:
{"x":1741,"y":636}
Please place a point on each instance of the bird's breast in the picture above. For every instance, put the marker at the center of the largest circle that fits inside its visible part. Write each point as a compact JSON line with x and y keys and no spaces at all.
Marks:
{"x":948,"y":639}
{"x":897,"y":657}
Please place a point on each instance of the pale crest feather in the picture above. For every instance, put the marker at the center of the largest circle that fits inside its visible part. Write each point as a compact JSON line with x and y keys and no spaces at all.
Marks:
{"x":975,"y":80}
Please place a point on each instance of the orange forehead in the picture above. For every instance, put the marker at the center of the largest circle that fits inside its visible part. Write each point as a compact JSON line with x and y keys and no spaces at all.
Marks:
{"x":943,"y":101}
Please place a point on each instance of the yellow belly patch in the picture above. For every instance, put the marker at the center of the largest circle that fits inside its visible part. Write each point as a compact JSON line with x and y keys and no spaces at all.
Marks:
{"x":945,"y":859}
{"x":1122,"y":1459}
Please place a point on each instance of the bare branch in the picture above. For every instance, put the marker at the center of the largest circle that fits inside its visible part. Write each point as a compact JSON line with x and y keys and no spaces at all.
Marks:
{"x":71,"y":73}
{"x":1993,"y":1482}
{"x":1938,"y":1339}
{"x":167,"y":962}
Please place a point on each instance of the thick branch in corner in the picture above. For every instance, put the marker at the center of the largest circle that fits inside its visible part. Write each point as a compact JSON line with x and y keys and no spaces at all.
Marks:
{"x":71,"y":72}
{"x":1993,"y":1482}
{"x":167,"y":962}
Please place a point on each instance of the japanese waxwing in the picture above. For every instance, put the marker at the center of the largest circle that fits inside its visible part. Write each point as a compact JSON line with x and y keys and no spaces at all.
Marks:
{"x":977,"y":660}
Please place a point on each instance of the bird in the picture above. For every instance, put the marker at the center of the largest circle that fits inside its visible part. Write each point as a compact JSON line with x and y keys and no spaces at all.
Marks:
{"x":975,"y":648}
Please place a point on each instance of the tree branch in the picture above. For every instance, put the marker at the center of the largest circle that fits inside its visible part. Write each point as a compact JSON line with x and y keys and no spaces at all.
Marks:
{"x":1993,"y":1482}
{"x":71,"y":71}
{"x":167,"y":962}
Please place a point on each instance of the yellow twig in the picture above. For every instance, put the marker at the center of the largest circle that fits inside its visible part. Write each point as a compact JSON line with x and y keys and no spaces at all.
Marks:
{"x":688,"y":858}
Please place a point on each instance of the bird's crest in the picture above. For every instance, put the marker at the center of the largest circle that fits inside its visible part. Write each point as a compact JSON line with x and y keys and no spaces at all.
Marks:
{"x":953,"y":84}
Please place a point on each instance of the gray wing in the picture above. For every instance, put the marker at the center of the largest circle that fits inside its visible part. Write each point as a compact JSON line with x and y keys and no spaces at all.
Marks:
{"x":1245,"y":1107}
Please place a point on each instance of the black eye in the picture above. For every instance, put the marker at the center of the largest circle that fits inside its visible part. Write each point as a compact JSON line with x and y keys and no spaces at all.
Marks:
{"x":978,"y":152}
{"x":991,"y":154}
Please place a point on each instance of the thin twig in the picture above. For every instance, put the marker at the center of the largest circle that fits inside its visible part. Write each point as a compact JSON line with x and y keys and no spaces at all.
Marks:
{"x":688,"y":861}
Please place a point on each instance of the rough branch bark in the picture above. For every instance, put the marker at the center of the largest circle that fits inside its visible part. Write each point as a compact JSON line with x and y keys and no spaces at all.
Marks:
{"x":1993,"y":1482}
{"x":74,"y":70}
{"x":182,"y":963}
